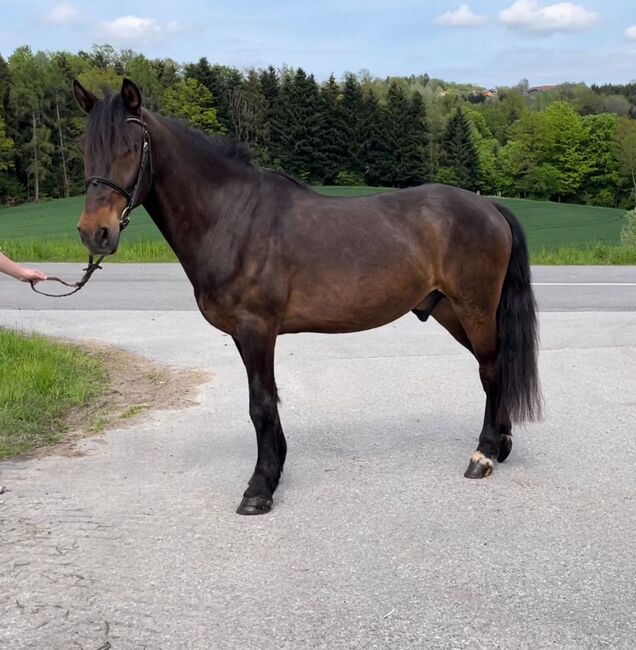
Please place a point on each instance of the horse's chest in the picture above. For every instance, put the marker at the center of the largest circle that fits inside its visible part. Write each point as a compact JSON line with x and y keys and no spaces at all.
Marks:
{"x":218,"y":315}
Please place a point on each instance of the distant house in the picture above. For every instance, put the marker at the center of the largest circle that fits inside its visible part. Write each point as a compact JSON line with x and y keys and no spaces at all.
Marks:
{"x":535,"y":90}
{"x":489,"y":93}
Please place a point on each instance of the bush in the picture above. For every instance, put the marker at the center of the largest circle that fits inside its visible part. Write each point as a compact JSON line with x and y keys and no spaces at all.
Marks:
{"x":349,"y":178}
{"x":11,"y":190}
{"x":628,"y":232}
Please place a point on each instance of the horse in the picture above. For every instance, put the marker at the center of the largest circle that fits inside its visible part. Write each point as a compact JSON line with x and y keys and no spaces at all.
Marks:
{"x":268,"y":255}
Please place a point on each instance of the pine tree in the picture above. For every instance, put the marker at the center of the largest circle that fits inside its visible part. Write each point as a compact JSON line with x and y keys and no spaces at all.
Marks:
{"x":270,"y":88}
{"x":459,"y":155}
{"x":405,"y":161}
{"x":333,"y":151}
{"x":378,"y":148}
{"x":351,"y":118}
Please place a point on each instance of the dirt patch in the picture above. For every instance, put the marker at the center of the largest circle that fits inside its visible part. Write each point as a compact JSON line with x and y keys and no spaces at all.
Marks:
{"x":135,"y":386}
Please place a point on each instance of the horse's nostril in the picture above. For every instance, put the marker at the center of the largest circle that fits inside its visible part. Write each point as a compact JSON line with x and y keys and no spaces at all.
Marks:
{"x":101,"y":236}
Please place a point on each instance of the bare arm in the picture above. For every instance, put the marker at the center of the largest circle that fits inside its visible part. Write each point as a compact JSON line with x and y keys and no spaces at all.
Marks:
{"x":18,"y":271}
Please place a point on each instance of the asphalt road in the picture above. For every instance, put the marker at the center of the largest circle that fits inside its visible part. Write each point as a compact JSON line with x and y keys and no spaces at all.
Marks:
{"x":165,"y":287}
{"x":376,"y":540}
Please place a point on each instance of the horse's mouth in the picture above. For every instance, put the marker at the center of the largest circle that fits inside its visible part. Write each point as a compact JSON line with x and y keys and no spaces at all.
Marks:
{"x":104,"y":241}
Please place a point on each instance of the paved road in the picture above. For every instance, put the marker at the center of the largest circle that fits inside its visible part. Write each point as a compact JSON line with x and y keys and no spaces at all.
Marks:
{"x":376,"y":540}
{"x":165,"y":287}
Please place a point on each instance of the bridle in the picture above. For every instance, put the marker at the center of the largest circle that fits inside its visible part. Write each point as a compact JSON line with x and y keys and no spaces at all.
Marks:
{"x":145,"y":162}
{"x":131,"y":197}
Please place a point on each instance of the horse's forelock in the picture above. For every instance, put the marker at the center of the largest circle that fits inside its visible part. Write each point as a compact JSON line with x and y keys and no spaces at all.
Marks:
{"x":107,"y":131}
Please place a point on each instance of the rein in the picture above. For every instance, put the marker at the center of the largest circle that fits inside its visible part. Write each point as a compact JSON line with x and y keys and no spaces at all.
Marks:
{"x":124,"y":219}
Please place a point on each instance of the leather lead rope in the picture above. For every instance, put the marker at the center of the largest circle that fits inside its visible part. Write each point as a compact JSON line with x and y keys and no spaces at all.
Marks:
{"x":76,"y":286}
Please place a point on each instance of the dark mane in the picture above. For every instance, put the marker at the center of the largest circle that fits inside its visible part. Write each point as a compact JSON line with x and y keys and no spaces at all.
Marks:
{"x":220,"y":145}
{"x":107,"y":130}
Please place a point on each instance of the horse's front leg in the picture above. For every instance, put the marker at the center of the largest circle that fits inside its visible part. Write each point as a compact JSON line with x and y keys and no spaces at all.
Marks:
{"x":256,"y":341}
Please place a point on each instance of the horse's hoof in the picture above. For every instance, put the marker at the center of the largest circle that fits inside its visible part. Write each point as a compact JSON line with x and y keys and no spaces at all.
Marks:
{"x":255,"y":506}
{"x":480,"y":466}
{"x":505,"y":447}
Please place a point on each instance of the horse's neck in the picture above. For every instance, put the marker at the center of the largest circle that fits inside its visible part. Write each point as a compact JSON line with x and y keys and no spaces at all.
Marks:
{"x":187,"y":202}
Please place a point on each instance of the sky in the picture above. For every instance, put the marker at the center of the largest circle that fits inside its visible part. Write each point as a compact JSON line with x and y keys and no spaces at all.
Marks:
{"x":489,"y":43}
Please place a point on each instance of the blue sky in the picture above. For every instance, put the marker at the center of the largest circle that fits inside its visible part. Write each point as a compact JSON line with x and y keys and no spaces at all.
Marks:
{"x":490,"y":43}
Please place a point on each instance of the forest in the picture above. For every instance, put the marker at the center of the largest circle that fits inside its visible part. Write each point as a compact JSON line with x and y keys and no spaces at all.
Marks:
{"x":568,"y":143}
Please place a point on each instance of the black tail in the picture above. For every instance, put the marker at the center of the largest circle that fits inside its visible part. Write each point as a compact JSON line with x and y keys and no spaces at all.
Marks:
{"x":517,"y":372}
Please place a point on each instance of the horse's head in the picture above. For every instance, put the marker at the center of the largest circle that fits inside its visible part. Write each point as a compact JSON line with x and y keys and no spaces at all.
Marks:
{"x":114,"y":154}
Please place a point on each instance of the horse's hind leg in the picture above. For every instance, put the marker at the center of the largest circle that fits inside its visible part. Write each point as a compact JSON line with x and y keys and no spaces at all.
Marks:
{"x":255,"y":343}
{"x":495,"y":441}
{"x":442,"y":311}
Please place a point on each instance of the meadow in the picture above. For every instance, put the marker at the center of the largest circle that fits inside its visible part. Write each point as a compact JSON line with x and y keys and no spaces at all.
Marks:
{"x":558,"y":233}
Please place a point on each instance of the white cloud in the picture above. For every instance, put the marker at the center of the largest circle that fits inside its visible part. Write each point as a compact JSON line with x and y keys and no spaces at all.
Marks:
{"x":630,"y":32}
{"x":560,"y":17}
{"x":135,"y":31}
{"x":463,"y":16}
{"x":62,"y":14}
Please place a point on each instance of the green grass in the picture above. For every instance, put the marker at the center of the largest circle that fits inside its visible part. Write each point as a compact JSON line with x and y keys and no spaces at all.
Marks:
{"x":41,"y":381}
{"x":560,"y":233}
{"x":592,"y":254}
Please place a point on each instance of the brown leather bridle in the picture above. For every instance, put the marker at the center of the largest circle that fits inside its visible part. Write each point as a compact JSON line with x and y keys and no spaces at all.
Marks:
{"x":145,"y":162}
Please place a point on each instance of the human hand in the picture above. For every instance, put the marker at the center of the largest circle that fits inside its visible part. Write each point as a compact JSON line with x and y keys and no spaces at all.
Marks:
{"x":31,"y":275}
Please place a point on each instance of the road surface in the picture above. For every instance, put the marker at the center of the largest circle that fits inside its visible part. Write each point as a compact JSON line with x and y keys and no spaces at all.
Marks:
{"x":376,"y":540}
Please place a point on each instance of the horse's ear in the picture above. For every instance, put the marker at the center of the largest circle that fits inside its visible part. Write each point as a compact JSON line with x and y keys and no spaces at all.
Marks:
{"x":131,"y":96}
{"x":85,"y":98}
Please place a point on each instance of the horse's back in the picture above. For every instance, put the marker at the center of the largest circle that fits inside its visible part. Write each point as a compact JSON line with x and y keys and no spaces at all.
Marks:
{"x":368,"y":260}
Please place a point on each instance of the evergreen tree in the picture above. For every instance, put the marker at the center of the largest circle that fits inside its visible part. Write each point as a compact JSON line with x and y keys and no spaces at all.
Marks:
{"x":334,"y":152}
{"x":404,"y":162}
{"x":374,"y":133}
{"x":351,"y":119}
{"x":5,"y":84}
{"x":460,"y":158}
{"x":297,"y":125}
{"x":221,"y":81}
{"x":270,"y":88}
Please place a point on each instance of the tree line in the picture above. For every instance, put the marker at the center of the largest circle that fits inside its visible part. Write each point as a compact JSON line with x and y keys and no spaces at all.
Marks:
{"x":568,"y":143}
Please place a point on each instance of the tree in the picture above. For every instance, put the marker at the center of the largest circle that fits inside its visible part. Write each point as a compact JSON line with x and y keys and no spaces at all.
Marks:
{"x":600,"y":186}
{"x":626,"y":155}
{"x":144,"y":74}
{"x":334,"y":151}
{"x":487,"y":151}
{"x":193,"y":102}
{"x":350,"y":117}
{"x":248,"y":110}
{"x":566,"y":154}
{"x":460,"y":157}
{"x":27,"y":96}
{"x":221,"y":81}
{"x":7,"y":148}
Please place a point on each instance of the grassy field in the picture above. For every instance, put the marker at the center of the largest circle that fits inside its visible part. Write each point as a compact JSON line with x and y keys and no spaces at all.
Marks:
{"x":40,"y":382}
{"x":557,"y":233}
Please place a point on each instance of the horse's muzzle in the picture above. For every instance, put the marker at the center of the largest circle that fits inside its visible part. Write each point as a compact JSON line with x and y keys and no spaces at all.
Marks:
{"x":103,"y":240}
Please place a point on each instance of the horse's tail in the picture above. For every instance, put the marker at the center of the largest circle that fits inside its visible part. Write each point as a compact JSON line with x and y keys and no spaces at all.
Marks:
{"x":517,"y":372}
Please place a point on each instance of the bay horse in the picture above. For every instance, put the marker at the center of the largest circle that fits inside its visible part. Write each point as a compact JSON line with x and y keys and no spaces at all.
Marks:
{"x":267,"y":255}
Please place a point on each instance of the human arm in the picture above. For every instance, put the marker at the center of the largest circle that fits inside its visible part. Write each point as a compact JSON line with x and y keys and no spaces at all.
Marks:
{"x":19,"y":272}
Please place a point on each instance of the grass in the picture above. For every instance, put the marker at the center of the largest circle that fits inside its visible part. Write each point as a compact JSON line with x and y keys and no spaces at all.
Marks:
{"x":592,"y":254}
{"x":557,"y":233}
{"x":41,"y":382}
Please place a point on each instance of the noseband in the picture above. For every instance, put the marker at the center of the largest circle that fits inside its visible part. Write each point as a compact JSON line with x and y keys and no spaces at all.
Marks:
{"x":131,"y":197}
